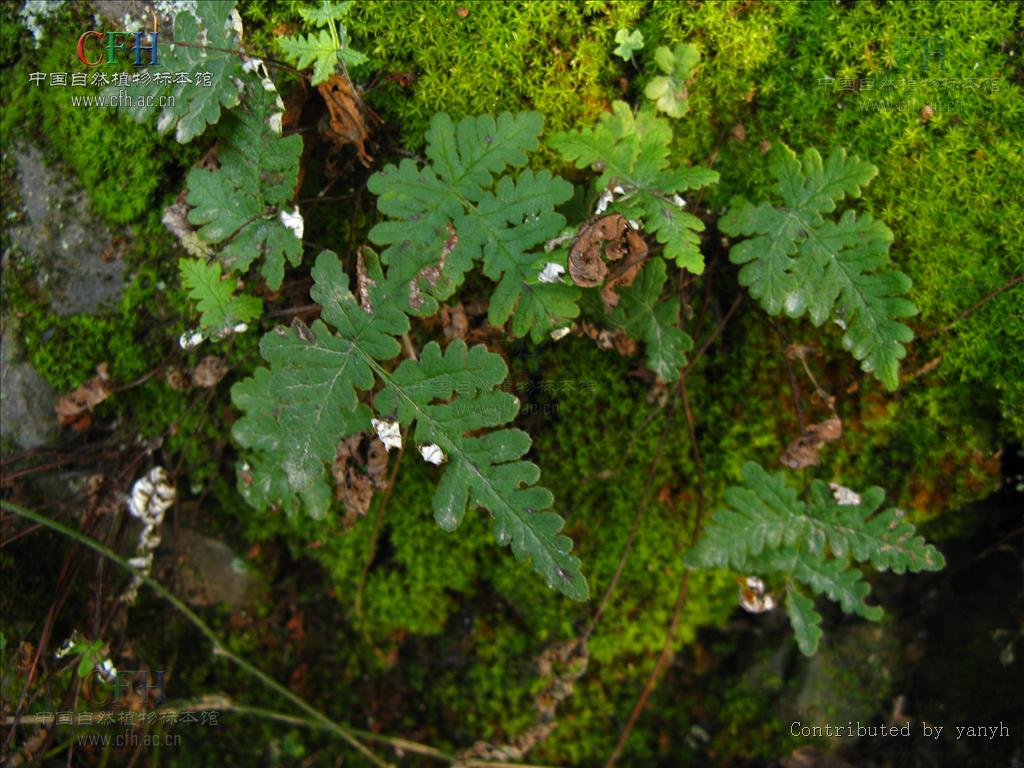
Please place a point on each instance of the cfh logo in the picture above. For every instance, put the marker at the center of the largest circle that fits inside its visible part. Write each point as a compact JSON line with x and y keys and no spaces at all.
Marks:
{"x":98,"y":690}
{"x":114,"y":45}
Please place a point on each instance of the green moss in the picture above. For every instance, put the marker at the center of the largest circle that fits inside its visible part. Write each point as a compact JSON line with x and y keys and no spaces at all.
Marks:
{"x":552,"y":57}
{"x":121,"y":164}
{"x":130,"y":338}
{"x":949,"y":237}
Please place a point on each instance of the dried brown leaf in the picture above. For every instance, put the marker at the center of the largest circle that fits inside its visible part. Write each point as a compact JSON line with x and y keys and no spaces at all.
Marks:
{"x":360,"y":465}
{"x":803,"y":452}
{"x":455,"y":321}
{"x":608,"y":238}
{"x":363,"y":282}
{"x":74,"y":408}
{"x":563,"y":663}
{"x":176,"y":379}
{"x":432,"y":272}
{"x":209,"y":372}
{"x":346,"y":124}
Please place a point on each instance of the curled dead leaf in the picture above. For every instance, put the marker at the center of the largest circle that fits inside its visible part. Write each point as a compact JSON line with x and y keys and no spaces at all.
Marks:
{"x":208,"y":373}
{"x":754,"y":597}
{"x":176,"y":379}
{"x":74,"y":408}
{"x":346,"y":124}
{"x":803,"y":452}
{"x":610,"y":238}
{"x":360,"y":466}
{"x":455,"y":321}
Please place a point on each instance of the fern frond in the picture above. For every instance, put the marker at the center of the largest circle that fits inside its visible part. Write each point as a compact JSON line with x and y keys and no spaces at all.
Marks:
{"x":327,"y":11}
{"x":633,"y":153}
{"x":797,"y":261}
{"x":298,"y":413}
{"x":765,"y":528}
{"x":214,"y":34}
{"x":298,"y":410}
{"x":242,"y":204}
{"x":463,"y":206}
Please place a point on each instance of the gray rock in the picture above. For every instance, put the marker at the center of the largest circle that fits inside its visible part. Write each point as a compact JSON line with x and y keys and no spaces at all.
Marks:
{"x":27,"y":419}
{"x":69,"y":250}
{"x":205,"y":570}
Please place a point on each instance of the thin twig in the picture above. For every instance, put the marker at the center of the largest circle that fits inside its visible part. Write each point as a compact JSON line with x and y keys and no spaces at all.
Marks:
{"x":974,"y":307}
{"x":677,"y":611}
{"x":641,"y":505}
{"x":715,"y":334}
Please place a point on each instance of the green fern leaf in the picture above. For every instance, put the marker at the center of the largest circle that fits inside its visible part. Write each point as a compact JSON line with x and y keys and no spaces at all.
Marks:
{"x":669,"y":91}
{"x":643,"y":317}
{"x":214,"y":36}
{"x":883,"y":538}
{"x":806,"y":621}
{"x":217,"y":302}
{"x":765,"y":528}
{"x":297,"y":411}
{"x":326,"y":12}
{"x":628,"y":43}
{"x":321,"y":50}
{"x":487,"y":470}
{"x":837,"y":581}
{"x":242,"y":203}
{"x":633,"y":152}
{"x":280,"y":475}
{"x":801,"y":263}
{"x":460,"y":208}
{"x":317,"y":48}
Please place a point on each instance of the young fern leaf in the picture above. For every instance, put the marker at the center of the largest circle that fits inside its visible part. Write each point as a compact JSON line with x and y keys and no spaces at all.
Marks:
{"x":298,"y":410}
{"x":800,"y":262}
{"x":668,"y":91}
{"x":321,"y":50}
{"x":643,"y":317}
{"x":806,"y":621}
{"x":242,"y":204}
{"x":217,"y":302}
{"x":765,"y":528}
{"x":462,"y":207}
{"x":327,"y":11}
{"x":327,"y":47}
{"x":487,"y":470}
{"x":212,"y":40}
{"x":633,"y":151}
{"x":316,"y":48}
